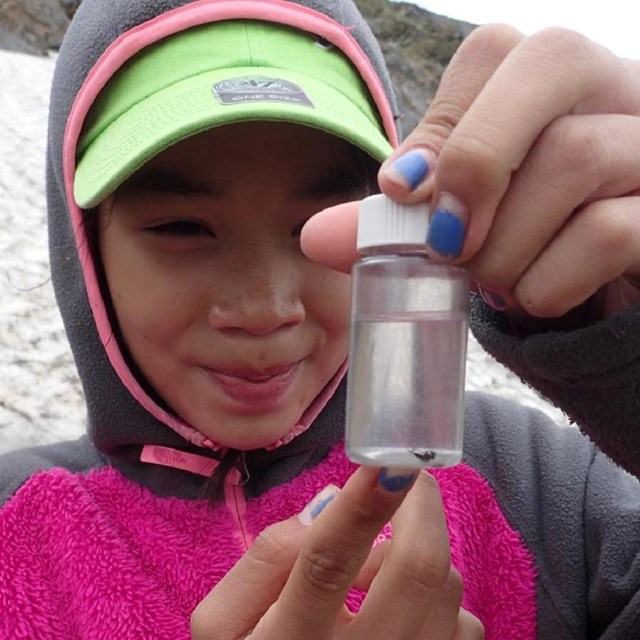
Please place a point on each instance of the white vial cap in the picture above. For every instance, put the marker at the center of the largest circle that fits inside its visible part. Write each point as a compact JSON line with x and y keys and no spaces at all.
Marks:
{"x":383,"y":223}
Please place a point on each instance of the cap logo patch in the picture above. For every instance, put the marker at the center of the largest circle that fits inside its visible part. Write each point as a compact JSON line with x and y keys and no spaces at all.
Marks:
{"x":260,"y":89}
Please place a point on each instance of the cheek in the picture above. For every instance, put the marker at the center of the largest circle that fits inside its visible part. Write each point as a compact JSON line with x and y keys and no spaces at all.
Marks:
{"x":139,"y":316}
{"x":147,"y":305}
{"x":332,"y":302}
{"x":152,"y":313}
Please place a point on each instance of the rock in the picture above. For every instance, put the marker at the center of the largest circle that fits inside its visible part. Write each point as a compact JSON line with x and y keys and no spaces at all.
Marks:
{"x":11,"y":42}
{"x":40,"y":24}
{"x":69,"y":6}
{"x":417,"y":45}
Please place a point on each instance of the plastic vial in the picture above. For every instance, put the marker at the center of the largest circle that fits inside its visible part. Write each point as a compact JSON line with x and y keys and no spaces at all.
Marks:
{"x":409,"y":321}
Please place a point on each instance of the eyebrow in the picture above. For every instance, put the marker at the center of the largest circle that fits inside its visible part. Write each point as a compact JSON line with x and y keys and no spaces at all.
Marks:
{"x":333,"y":182}
{"x":171,"y":181}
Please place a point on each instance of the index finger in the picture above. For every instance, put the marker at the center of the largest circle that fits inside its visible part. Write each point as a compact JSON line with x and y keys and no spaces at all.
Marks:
{"x":415,"y":582}
{"x":469,"y":70}
{"x":335,"y":549}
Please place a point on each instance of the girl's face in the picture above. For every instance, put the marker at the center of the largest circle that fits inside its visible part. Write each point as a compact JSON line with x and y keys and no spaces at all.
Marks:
{"x":223,"y":315}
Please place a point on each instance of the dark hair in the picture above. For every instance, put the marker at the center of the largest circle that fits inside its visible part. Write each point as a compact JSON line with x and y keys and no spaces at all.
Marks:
{"x":213,"y":489}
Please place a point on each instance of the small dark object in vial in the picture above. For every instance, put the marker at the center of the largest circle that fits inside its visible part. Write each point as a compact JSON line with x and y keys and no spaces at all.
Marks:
{"x":426,"y":455}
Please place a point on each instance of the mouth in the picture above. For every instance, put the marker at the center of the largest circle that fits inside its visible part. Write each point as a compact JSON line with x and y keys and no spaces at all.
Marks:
{"x":255,"y":390}
{"x":255,"y":375}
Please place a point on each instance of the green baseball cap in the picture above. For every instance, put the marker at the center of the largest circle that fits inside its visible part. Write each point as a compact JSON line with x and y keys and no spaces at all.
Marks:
{"x":217,"y":74}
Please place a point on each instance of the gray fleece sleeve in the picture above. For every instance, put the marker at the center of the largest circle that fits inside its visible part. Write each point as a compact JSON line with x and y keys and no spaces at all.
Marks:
{"x":592,"y":374}
{"x":16,"y":467}
{"x":612,"y":546}
{"x":577,"y":513}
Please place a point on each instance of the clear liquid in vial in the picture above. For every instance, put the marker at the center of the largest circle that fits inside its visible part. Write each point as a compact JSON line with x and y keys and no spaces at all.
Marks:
{"x":404,"y":405}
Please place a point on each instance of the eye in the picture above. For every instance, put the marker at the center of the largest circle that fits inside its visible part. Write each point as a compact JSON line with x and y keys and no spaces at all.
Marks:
{"x":181,"y":229}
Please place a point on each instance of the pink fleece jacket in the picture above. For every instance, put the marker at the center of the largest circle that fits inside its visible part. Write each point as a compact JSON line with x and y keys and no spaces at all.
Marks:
{"x":100,"y":557}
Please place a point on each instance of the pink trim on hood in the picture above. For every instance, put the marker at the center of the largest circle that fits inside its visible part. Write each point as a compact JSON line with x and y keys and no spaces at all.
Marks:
{"x":118,"y":53}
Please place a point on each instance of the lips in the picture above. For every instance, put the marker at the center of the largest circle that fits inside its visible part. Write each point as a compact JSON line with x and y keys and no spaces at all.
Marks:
{"x":255,"y":391}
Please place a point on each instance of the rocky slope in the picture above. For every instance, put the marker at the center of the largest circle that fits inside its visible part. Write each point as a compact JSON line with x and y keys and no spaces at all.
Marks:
{"x":417,"y":44}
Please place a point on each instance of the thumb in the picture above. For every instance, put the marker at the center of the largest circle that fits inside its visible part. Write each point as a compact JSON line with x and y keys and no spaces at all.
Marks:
{"x":408,"y":175}
{"x":329,"y":237}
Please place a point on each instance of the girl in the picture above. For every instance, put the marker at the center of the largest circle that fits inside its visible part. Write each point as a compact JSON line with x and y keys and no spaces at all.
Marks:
{"x":189,"y":144}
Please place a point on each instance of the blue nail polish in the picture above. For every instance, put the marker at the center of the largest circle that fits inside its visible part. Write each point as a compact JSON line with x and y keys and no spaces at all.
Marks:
{"x":494,"y":300}
{"x":319,"y":508}
{"x":394,"y":483}
{"x":318,"y":505}
{"x":412,"y":167}
{"x":446,"y":233}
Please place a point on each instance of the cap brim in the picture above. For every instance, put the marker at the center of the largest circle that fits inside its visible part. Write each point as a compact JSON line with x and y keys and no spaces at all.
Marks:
{"x":191,"y":106}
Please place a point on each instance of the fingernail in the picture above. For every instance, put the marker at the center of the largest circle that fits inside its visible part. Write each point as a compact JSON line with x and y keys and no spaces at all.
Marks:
{"x":411,"y":169}
{"x":318,"y":504}
{"x":494,"y":300}
{"x":447,"y":227}
{"x":394,"y":480}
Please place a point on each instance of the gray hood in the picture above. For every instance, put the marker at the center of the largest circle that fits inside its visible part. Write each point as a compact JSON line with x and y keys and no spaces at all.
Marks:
{"x":118,"y":423}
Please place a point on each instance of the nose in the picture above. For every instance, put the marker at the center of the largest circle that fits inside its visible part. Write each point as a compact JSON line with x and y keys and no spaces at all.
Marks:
{"x":260,"y":300}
